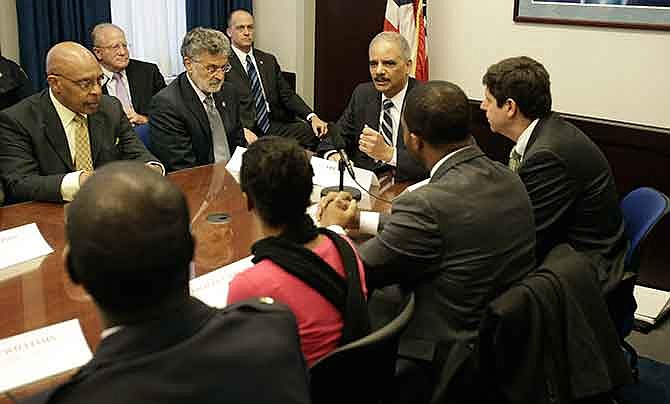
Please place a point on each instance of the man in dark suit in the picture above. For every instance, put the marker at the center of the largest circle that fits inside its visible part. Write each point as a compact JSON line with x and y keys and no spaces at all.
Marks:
{"x":159,"y":345}
{"x":457,"y":240}
{"x":14,"y":83}
{"x":370,"y":125}
{"x":196,"y":119}
{"x":53,"y":140}
{"x":132,"y":81}
{"x":567,"y":177}
{"x":268,"y":105}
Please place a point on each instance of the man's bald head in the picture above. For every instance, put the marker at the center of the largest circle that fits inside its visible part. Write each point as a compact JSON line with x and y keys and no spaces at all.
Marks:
{"x":129,"y":240}
{"x":241,"y":29}
{"x":74,"y":77}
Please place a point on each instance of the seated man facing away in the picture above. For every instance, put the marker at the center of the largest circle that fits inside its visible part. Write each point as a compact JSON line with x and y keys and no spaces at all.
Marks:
{"x":196,"y":119}
{"x":458,"y":241}
{"x":567,"y":177}
{"x":53,"y":140}
{"x":129,"y":245}
{"x":295,"y":261}
{"x":132,"y":81}
{"x":370,"y":124}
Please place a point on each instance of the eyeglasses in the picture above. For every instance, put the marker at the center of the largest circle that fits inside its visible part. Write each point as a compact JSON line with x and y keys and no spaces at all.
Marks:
{"x":116,"y":47}
{"x":212,"y":69}
{"x":85,"y":85}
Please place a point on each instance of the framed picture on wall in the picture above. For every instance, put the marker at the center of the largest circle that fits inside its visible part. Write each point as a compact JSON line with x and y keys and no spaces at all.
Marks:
{"x":640,"y":14}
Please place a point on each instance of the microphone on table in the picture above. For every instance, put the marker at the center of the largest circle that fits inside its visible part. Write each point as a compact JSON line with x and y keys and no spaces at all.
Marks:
{"x":335,"y":134}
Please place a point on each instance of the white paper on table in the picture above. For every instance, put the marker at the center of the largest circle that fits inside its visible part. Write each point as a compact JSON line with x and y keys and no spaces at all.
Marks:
{"x":37,"y":354}
{"x":234,"y":165}
{"x":212,"y":288}
{"x":651,"y":303}
{"x":21,"y":244}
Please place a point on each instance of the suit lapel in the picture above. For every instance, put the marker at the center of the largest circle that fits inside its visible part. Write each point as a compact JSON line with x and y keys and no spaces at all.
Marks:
{"x":96,"y":135}
{"x":400,"y":144}
{"x":134,"y":82}
{"x":194,"y":104}
{"x":264,"y":71}
{"x":238,"y":68}
{"x":373,"y":110}
{"x":54,"y":131}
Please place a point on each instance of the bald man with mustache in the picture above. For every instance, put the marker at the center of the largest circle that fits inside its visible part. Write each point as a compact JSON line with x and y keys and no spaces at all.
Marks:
{"x":55,"y":139}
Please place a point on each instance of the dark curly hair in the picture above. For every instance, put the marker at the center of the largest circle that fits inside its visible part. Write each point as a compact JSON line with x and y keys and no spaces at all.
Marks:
{"x":277,"y":176}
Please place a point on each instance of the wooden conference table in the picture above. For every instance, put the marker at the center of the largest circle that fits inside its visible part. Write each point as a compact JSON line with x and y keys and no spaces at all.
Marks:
{"x":46,"y":296}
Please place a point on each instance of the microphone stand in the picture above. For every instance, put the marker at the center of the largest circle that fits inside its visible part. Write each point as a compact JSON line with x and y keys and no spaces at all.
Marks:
{"x":341,"y":166}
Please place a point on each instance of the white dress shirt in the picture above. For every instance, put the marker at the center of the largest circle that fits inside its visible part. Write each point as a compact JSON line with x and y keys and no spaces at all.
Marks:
{"x":398,"y":101}
{"x":522,"y":141}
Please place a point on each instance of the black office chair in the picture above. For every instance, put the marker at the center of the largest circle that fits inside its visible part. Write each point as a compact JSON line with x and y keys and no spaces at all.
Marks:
{"x":363,"y":370}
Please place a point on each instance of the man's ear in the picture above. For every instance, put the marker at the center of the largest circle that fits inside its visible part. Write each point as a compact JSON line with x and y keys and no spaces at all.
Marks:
{"x":69,"y":265}
{"x":417,"y":141}
{"x":512,"y":108}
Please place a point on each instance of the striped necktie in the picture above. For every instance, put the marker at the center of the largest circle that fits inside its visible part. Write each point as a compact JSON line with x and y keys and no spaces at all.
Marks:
{"x":514,"y":160}
{"x":262,"y":117}
{"x":387,"y":122}
{"x":82,"y":145}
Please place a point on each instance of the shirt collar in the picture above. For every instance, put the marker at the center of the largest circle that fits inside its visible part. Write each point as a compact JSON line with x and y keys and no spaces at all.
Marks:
{"x":110,"y":74}
{"x":444,"y":159}
{"x":199,"y":92}
{"x":398,"y":98}
{"x":65,"y":114}
{"x":109,"y":331}
{"x":522,"y":141}
{"x":242,"y":55}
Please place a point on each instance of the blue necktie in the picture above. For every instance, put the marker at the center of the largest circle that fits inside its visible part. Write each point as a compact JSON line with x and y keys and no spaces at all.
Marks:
{"x":262,"y":117}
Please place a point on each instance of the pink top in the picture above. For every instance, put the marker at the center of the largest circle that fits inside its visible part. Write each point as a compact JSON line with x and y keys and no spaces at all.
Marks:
{"x":319,"y":322}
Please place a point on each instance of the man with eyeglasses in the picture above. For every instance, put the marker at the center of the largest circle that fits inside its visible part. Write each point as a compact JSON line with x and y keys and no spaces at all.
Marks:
{"x":132,"y":81}
{"x":268,"y":104}
{"x":196,"y":119}
{"x":52,"y":141}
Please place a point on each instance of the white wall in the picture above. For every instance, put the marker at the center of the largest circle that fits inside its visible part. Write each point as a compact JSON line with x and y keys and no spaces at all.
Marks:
{"x":286,"y":29}
{"x":617,"y":74}
{"x":9,"y":36}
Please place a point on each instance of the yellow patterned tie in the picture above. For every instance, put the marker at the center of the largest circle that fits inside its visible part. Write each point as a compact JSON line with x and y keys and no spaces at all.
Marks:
{"x":514,"y":160}
{"x":82,"y":145}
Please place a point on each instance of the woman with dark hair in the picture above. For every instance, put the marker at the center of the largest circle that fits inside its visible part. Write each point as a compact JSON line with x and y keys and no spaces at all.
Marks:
{"x":314,"y":271}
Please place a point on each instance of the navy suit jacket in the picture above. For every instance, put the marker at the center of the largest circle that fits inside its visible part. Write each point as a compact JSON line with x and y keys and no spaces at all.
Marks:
{"x":145,"y":80}
{"x":364,"y":108}
{"x":180,"y":132}
{"x":35,"y":155}
{"x":285,"y":104}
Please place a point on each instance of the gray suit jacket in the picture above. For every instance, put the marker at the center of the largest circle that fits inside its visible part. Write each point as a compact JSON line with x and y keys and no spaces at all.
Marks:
{"x":574,"y":197}
{"x":35,"y":156}
{"x":458,"y":242}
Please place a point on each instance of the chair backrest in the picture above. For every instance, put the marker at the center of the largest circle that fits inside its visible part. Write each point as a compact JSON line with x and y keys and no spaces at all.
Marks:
{"x":143,"y":132}
{"x":642,"y":208}
{"x":361,"y":370}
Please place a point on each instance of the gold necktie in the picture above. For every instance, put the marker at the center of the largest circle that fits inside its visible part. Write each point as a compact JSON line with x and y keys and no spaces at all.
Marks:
{"x":514,"y":160}
{"x":82,"y":145}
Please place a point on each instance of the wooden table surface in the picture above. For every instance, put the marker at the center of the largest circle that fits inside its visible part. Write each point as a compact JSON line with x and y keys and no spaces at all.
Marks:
{"x":45,"y":295}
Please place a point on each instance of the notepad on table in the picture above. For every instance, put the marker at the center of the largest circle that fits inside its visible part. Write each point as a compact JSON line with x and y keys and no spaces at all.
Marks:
{"x":652,"y":305}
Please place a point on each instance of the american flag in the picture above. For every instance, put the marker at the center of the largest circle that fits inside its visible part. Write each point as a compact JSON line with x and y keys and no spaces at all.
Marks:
{"x":408,"y":17}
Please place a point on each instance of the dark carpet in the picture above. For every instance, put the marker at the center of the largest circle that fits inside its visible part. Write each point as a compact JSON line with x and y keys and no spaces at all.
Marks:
{"x":653,"y":387}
